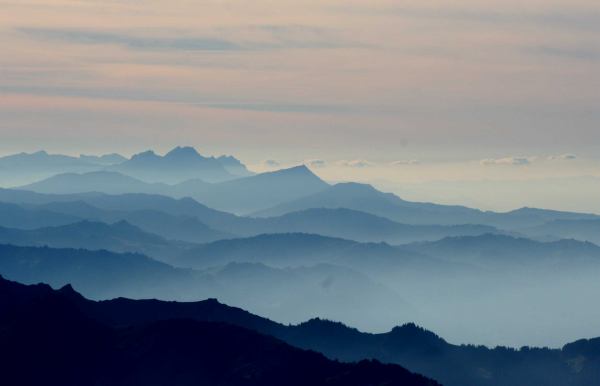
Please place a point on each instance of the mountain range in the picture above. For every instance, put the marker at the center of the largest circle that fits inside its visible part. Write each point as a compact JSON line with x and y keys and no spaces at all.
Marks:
{"x":290,"y":246}
{"x":582,"y":229}
{"x":240,"y":195}
{"x":186,"y":219}
{"x":365,"y":198}
{"x":119,"y":237}
{"x":179,"y":164}
{"x":287,"y":294}
{"x":46,"y":337}
{"x":500,"y":250}
{"x":68,"y":315}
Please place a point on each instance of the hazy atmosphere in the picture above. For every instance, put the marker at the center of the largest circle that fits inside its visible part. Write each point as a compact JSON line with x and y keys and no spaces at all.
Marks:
{"x":300,"y":193}
{"x":492,"y":104}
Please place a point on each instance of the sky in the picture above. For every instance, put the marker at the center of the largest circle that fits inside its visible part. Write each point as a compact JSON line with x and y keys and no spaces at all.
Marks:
{"x":494,"y":104}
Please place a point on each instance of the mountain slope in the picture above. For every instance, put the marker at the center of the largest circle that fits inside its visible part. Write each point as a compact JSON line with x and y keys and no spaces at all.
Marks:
{"x":342,"y":223}
{"x":576,"y":364}
{"x":99,"y":274}
{"x":222,"y":223}
{"x":498,"y":250}
{"x":276,"y":250}
{"x":584,"y":230}
{"x":365,"y":227}
{"x":300,"y":250}
{"x":249,"y":194}
{"x":117,"y":237}
{"x":367,"y":199}
{"x":14,"y":216}
{"x":290,"y":294}
{"x":99,"y":181}
{"x":49,"y":341}
{"x":240,"y":195}
{"x":172,"y":227}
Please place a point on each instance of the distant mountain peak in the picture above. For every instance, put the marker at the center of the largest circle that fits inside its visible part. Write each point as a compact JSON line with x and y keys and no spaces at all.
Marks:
{"x":68,"y":290}
{"x":145,"y":155}
{"x":183,"y":151}
{"x":302,"y":167}
{"x":299,"y":170}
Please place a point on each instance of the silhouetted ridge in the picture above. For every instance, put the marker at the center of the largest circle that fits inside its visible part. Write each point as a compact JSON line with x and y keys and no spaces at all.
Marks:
{"x":576,"y":364}
{"x":51,"y":340}
{"x":414,"y":336}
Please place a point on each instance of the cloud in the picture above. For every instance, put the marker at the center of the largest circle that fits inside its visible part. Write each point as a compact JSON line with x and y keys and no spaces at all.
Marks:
{"x":579,"y":53}
{"x":358,"y":164}
{"x":571,"y":17}
{"x":316,"y":163}
{"x":284,"y":107}
{"x":270,"y":163}
{"x":515,"y":161}
{"x":524,"y":161}
{"x":562,"y":157}
{"x":192,"y":99}
{"x":234,"y":39}
{"x":405,"y":162}
{"x":91,"y":37}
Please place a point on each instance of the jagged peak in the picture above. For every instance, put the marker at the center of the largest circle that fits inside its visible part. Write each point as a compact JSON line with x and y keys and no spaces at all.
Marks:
{"x":145,"y":154}
{"x":67,"y":288}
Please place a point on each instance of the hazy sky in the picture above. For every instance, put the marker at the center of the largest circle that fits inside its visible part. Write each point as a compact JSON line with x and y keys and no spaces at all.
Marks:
{"x":431,"y":99}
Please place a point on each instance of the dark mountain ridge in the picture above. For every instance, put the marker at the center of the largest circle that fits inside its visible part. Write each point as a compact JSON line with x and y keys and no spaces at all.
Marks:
{"x":576,"y":364}
{"x":45,"y":338}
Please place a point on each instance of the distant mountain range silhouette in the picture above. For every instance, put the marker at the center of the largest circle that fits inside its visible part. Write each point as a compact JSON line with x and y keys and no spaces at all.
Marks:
{"x":239,"y":195}
{"x":206,"y":224}
{"x":97,"y":181}
{"x":179,"y":164}
{"x":365,"y":198}
{"x":499,"y":250}
{"x":120,"y":237}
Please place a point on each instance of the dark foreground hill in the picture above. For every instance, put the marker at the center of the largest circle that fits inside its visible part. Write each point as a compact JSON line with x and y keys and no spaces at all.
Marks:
{"x":146,"y":327}
{"x":47,"y":339}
